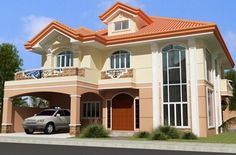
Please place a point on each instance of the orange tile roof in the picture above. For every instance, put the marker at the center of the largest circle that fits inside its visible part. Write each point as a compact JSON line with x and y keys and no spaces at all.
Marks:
{"x":159,"y":28}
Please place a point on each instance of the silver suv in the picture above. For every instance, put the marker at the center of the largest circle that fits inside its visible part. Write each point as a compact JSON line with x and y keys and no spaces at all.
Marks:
{"x":49,"y":121}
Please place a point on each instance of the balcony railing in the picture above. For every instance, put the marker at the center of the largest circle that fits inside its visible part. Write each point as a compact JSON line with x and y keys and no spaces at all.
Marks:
{"x":226,"y":88}
{"x":117,"y":73}
{"x":52,"y":72}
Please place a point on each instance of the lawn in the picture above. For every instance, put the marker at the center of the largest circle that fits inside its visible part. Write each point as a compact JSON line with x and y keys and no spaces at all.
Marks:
{"x":226,"y":138}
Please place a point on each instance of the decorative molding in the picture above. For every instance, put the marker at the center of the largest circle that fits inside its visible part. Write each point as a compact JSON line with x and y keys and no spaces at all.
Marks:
{"x":117,"y":73}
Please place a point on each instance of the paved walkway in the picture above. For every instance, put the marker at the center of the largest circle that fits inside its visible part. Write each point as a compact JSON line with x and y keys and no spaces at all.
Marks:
{"x":115,"y":143}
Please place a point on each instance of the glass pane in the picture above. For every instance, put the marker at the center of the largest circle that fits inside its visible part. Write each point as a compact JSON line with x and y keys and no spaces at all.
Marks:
{"x":97,"y":109}
{"x":62,"y":61}
{"x":112,"y":62}
{"x":122,"y":61}
{"x":165,"y":93}
{"x":117,"y":58}
{"x":93,"y":109}
{"x":89,"y":110}
{"x":183,"y":67}
{"x":185,"y":115}
{"x":164,"y":61}
{"x":117,"y":25}
{"x":67,"y":60}
{"x":84,"y":110}
{"x":179,"y":47}
{"x":125,"y":24}
{"x":178,"y":114}
{"x":167,"y":48}
{"x":173,"y":58}
{"x":174,"y":76}
{"x":71,"y":60}
{"x":184,"y":93}
{"x":58,"y":61}
{"x":174,"y":93}
{"x":172,"y":114}
{"x":127,"y":60}
{"x":165,"y":114}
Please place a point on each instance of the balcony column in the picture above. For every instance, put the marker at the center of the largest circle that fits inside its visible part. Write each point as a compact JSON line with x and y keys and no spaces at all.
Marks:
{"x":75,"y":115}
{"x":7,"y":126}
{"x":192,"y":55}
{"x":156,"y":78}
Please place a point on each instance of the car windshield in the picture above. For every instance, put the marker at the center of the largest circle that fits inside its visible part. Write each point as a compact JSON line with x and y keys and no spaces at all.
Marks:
{"x":46,"y":113}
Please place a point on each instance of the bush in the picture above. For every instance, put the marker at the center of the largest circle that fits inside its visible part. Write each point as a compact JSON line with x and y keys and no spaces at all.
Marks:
{"x":188,"y":135}
{"x":158,"y":135}
{"x":94,"y":131}
{"x":171,"y":132}
{"x":142,"y":134}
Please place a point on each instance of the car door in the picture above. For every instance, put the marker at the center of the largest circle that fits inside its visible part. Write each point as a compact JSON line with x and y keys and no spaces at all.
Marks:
{"x":61,"y":121}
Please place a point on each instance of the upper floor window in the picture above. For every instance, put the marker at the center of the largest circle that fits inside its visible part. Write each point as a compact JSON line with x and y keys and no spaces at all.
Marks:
{"x":65,"y":59}
{"x":120,"y":59}
{"x":121,"y":25}
{"x":209,"y":65}
{"x":175,"y":106}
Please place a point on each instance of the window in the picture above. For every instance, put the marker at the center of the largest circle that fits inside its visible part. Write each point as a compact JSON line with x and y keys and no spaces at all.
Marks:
{"x":175,"y":106}
{"x":65,"y":59}
{"x":210,"y":108}
{"x":209,"y":65}
{"x":121,"y":25}
{"x":61,"y":112}
{"x":108,"y":114}
{"x":120,"y":59}
{"x":137,"y":115}
{"x":91,"y":109}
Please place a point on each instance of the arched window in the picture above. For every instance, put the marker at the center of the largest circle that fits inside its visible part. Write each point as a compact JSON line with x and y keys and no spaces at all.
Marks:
{"x":65,"y":59}
{"x":120,"y":59}
{"x":175,"y":107}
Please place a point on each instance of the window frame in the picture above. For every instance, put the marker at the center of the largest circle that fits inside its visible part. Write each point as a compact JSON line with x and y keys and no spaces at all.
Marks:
{"x":184,"y":105}
{"x":121,"y":25}
{"x":212,"y":108}
{"x":118,"y":55}
{"x":87,"y":103}
{"x":67,"y":56}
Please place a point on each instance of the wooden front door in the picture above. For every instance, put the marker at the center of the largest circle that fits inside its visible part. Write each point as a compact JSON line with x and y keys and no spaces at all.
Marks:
{"x":123,"y":112}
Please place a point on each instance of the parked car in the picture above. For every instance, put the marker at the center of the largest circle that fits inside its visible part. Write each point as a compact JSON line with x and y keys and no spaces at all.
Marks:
{"x":48,"y":121}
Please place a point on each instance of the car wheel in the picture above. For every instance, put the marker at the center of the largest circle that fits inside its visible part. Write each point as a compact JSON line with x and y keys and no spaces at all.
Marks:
{"x":29,"y":131}
{"x":49,"y":129}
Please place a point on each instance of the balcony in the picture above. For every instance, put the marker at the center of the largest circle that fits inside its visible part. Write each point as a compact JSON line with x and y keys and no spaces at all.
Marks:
{"x":226,"y":88}
{"x":117,"y":73}
{"x":47,"y":73}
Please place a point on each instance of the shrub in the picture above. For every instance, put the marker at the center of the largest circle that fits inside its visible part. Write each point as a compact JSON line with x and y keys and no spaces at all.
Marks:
{"x":94,"y":131}
{"x":171,"y":132}
{"x":188,"y":135}
{"x":142,"y":134}
{"x":158,"y":135}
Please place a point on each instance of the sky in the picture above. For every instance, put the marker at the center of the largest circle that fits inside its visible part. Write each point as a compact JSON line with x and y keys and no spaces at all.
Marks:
{"x":22,"y":19}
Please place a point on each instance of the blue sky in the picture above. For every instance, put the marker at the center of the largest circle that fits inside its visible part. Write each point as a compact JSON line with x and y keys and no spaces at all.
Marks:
{"x":22,"y":19}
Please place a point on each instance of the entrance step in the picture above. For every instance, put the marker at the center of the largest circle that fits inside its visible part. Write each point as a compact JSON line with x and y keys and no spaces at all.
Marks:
{"x":121,"y":133}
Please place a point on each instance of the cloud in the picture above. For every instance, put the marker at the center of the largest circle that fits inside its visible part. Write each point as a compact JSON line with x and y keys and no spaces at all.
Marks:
{"x":34,"y":24}
{"x":230,"y":39}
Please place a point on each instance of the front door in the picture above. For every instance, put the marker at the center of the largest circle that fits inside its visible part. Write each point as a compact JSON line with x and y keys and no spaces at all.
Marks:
{"x":123,"y":112}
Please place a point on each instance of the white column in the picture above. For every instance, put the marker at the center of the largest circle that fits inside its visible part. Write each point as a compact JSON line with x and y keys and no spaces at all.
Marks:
{"x":194,"y":86}
{"x":216,"y":109}
{"x":218,"y":90}
{"x":156,"y":74}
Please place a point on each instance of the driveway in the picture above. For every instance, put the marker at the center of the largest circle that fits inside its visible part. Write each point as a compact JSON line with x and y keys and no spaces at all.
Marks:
{"x":36,"y":135}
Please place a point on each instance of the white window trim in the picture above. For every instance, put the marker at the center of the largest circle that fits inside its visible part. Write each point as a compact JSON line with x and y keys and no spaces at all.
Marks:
{"x":213,"y":109}
{"x":187,"y":90}
{"x":121,"y":30}
{"x":91,"y":102}
{"x":125,"y":63}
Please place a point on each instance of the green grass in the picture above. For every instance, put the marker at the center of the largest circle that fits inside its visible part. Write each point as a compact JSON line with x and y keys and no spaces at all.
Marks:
{"x":225,"y":138}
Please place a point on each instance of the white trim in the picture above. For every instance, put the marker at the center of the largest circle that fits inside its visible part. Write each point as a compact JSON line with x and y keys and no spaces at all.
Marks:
{"x":75,"y":96}
{"x":194,"y":87}
{"x":155,"y":91}
{"x":114,"y":13}
{"x":7,"y":124}
{"x":215,"y":103}
{"x":161,"y":39}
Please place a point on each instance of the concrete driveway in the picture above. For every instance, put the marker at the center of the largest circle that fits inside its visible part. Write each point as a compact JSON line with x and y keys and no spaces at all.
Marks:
{"x":36,"y":135}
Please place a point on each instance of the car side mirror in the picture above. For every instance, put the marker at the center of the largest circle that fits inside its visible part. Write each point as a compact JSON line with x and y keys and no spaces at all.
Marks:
{"x":58,"y":115}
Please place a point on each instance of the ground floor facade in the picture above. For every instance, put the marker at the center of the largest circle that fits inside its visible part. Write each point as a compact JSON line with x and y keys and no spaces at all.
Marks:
{"x":129,"y":107}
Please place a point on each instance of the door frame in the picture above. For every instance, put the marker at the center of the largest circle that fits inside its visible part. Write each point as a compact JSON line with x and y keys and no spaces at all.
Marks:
{"x":134,"y":110}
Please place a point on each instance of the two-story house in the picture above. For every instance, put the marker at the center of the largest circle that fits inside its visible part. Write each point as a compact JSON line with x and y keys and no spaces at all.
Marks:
{"x":138,"y":73}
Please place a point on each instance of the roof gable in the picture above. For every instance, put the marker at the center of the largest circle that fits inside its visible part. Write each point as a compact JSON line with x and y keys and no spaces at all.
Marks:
{"x":138,"y":13}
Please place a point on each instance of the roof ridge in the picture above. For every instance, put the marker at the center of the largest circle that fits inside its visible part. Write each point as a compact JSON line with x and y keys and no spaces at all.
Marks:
{"x":185,"y":20}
